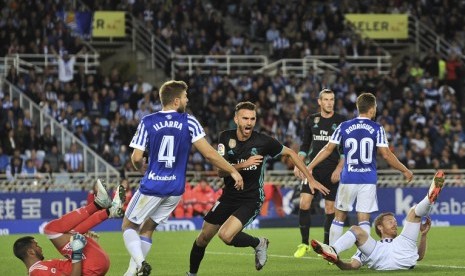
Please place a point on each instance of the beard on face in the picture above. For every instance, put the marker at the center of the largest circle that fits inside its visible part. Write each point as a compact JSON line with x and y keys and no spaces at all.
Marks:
{"x":181,"y":109}
{"x":39,"y":255}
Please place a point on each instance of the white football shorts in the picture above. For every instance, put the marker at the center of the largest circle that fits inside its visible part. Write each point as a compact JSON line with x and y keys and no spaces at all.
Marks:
{"x":157,"y":208}
{"x":365,"y":194}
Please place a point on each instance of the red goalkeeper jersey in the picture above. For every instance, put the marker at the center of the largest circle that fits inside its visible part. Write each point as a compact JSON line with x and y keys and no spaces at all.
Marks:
{"x":51,"y":267}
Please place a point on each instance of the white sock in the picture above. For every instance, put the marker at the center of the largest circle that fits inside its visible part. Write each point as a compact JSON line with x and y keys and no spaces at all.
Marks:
{"x":133,"y":245}
{"x":345,"y":242}
{"x":146,"y":244}
{"x":337,"y":227}
{"x":423,"y":208}
{"x":365,"y":225}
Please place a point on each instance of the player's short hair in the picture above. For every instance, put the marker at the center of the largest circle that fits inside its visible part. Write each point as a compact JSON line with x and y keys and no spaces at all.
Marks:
{"x":171,"y":90}
{"x":21,"y":246}
{"x":325,"y":91}
{"x":365,"y":101}
{"x":379,"y":221}
{"x":245,"y":105}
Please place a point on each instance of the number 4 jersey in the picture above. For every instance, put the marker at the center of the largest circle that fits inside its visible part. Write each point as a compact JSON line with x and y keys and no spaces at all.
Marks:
{"x":359,"y":138}
{"x":168,"y":136}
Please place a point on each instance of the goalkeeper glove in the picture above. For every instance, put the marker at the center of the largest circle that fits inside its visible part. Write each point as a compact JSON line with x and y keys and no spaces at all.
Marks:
{"x":77,"y":243}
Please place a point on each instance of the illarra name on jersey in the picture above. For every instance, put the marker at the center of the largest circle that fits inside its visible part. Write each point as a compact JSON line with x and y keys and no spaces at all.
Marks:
{"x":164,"y":124}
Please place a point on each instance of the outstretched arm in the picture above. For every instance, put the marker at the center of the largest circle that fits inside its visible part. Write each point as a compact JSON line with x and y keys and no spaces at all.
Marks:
{"x":217,"y":160}
{"x":392,"y":160}
{"x":324,"y":153}
{"x":301,"y":166}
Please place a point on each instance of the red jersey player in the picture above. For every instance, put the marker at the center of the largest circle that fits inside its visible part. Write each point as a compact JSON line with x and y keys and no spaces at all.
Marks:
{"x":83,"y":256}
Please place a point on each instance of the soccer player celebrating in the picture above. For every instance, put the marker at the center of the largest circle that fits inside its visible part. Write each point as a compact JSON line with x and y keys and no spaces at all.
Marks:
{"x":392,"y":252}
{"x":236,"y":208}
{"x":168,"y":136}
{"x":360,"y":139}
{"x":83,"y":255}
{"x":318,"y":129}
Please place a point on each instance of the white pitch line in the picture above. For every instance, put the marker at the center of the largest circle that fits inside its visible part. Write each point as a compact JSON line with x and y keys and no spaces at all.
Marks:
{"x":318,"y":258}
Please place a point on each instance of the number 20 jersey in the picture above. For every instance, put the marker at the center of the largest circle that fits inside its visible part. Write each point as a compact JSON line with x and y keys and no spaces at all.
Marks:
{"x":359,"y":139}
{"x":168,"y":136}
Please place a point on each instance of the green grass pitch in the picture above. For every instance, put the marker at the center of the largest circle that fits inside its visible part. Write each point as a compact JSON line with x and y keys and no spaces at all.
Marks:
{"x":170,"y":255}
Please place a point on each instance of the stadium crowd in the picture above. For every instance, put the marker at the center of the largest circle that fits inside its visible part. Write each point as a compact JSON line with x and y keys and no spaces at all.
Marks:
{"x":419,"y":102}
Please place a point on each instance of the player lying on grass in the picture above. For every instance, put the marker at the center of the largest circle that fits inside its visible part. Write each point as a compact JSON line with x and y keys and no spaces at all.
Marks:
{"x":392,"y":252}
{"x":83,"y":255}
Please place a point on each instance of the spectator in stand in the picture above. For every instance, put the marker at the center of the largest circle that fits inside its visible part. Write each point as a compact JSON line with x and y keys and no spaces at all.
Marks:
{"x":66,"y":63}
{"x":9,"y":121}
{"x":204,"y":197}
{"x":9,"y":142}
{"x":18,"y":113}
{"x":126,"y":111}
{"x":46,"y":170}
{"x":453,"y":65}
{"x":280,"y":46}
{"x":142,"y":111}
{"x":4,"y":161}
{"x":14,"y":169}
{"x":32,"y":140}
{"x":29,"y":170}
{"x":74,"y":159}
{"x":37,"y":157}
{"x":80,"y":120}
{"x":79,"y":133}
{"x":20,"y":134}
{"x":54,"y":157}
{"x":47,"y":140}
{"x":146,"y":87}
{"x":272,"y":33}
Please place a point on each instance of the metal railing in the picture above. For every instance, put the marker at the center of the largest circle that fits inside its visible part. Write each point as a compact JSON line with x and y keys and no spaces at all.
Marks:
{"x":21,"y":66}
{"x":156,"y":51}
{"x":24,"y":62}
{"x":93,"y":162}
{"x":85,"y":181}
{"x":425,"y":38}
{"x":225,"y":64}
{"x":297,"y":67}
{"x":380,"y":63}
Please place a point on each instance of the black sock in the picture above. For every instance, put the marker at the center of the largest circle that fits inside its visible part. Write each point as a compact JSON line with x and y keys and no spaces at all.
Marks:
{"x":328,"y":220}
{"x":98,"y":206}
{"x":244,"y":240}
{"x":196,"y":257}
{"x":304,"y":225}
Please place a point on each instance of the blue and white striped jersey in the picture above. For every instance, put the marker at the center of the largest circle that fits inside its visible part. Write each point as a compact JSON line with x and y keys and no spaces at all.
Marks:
{"x":168,"y":136}
{"x":359,"y":139}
